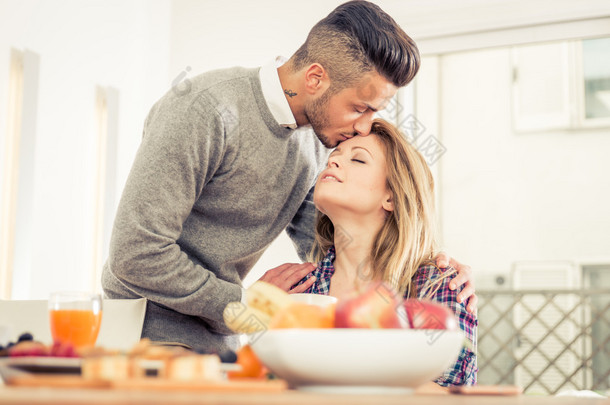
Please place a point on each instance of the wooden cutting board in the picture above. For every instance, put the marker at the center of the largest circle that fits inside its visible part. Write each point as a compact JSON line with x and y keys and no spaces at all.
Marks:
{"x":161,"y":384}
{"x":13,"y":373}
{"x":486,"y":390}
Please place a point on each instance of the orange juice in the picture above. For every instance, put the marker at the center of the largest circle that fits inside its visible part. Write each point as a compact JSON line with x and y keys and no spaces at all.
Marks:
{"x":76,"y":326}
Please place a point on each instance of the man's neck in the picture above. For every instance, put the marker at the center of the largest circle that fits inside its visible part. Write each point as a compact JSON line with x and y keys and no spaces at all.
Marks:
{"x":294,"y":92}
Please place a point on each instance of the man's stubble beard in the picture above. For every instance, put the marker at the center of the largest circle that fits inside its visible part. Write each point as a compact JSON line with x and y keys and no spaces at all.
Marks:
{"x":317,"y":114}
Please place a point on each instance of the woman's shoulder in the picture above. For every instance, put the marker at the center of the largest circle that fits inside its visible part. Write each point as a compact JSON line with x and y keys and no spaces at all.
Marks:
{"x":430,"y":279}
{"x":430,"y":270}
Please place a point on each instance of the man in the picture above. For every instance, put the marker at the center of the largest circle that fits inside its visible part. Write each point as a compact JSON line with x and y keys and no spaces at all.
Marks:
{"x":225,"y":167}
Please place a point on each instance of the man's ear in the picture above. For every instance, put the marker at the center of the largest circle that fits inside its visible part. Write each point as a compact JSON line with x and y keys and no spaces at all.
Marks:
{"x":388,"y":203}
{"x":316,"y":79}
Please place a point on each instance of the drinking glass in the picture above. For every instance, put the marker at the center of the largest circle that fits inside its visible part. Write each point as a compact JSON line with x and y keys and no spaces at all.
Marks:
{"x":75,"y":318}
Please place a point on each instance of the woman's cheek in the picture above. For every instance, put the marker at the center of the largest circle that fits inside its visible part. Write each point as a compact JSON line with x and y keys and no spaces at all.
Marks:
{"x":318,"y":199}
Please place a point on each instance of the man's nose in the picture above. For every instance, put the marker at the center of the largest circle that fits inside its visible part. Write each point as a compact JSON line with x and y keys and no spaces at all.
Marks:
{"x":363,"y":125}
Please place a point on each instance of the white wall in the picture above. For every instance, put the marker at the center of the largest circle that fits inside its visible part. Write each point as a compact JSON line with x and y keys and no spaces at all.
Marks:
{"x":210,"y":34}
{"x":123,"y":44}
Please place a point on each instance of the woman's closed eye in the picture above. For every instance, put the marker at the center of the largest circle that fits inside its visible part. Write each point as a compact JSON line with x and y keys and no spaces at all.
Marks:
{"x":358,"y":160}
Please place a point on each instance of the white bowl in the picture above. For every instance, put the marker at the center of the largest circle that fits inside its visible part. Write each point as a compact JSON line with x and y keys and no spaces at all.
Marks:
{"x":314,"y":299}
{"x":335,"y":359}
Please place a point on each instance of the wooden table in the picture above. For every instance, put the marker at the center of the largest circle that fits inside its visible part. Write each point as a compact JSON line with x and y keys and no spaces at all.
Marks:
{"x":57,"y":396}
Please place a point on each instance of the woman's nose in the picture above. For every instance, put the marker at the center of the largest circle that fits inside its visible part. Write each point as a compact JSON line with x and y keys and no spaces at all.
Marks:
{"x":333,"y":161}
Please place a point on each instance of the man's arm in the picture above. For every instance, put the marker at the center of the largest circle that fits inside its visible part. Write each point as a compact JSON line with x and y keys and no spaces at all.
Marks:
{"x":181,"y":148}
{"x":301,"y":232}
{"x":302,"y":227}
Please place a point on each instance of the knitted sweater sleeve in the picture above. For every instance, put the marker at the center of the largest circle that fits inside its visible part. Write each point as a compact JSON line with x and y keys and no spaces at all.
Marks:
{"x":301,"y":228}
{"x":182,"y":147}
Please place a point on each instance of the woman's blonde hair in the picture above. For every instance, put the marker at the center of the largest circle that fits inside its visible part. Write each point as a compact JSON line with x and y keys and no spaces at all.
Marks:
{"x":407,"y":238}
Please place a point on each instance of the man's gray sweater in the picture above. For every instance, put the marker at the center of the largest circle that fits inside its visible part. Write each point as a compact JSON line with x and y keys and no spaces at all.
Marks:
{"x":214,"y":182}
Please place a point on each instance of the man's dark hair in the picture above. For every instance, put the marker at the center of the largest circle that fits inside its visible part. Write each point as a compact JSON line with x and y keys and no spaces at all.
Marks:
{"x":356,"y":38}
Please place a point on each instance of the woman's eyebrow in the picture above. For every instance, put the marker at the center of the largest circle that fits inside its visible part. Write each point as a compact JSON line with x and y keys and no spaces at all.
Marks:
{"x":365,"y":149}
{"x":338,"y":149}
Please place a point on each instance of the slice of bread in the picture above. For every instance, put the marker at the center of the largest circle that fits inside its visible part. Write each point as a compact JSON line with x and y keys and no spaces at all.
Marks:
{"x":194,"y":367}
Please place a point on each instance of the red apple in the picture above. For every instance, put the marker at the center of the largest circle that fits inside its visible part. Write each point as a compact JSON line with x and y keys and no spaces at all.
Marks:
{"x":426,"y":314}
{"x":379,"y":307}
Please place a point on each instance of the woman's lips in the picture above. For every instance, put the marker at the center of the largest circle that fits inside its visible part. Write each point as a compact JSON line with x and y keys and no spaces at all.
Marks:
{"x":329,"y":176}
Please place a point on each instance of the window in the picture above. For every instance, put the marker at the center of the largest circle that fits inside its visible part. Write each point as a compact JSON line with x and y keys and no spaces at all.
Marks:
{"x":597,"y":276}
{"x":596,"y":75}
{"x":106,"y":113}
{"x":18,"y":175}
{"x":561,"y":85}
{"x":541,"y":87}
{"x":10,"y":171}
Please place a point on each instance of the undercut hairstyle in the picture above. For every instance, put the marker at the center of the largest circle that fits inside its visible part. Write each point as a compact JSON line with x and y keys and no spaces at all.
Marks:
{"x":356,"y":38}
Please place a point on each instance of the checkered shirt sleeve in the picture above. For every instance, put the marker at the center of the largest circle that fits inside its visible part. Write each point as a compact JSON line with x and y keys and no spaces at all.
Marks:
{"x":464,"y":370}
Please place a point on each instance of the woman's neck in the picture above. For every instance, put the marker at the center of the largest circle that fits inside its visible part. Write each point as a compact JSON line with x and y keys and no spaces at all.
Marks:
{"x":353,"y":244}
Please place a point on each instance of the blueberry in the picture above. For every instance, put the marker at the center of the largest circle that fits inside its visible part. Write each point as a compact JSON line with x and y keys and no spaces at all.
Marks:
{"x":24,"y":337}
{"x":228,"y":356}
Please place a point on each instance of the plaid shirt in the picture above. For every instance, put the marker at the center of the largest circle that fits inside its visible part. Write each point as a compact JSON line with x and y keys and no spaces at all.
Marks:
{"x":464,"y":370}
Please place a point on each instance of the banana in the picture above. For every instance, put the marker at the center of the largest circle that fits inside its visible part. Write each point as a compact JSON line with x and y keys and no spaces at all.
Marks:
{"x":264,"y":301}
{"x":267,"y":298}
{"x":242,"y":318}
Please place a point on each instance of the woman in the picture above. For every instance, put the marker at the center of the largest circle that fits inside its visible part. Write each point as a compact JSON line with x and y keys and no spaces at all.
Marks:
{"x":376,"y":222}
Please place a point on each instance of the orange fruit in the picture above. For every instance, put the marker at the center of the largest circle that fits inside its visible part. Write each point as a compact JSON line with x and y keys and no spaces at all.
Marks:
{"x":300,"y":315}
{"x":251,"y":366}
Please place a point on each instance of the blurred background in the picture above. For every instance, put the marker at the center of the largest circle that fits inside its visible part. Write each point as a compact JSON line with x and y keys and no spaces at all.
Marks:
{"x":511,"y":109}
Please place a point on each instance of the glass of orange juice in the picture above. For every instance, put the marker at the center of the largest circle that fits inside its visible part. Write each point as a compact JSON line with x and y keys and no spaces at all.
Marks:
{"x":75,"y":318}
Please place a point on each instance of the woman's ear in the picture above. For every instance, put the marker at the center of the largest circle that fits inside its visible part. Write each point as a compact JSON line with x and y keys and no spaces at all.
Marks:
{"x":388,"y":203}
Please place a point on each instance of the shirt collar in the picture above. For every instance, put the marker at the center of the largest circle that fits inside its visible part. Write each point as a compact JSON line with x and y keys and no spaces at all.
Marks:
{"x":274,"y":94}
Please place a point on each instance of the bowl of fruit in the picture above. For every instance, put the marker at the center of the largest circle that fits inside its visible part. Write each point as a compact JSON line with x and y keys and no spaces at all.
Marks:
{"x":372,"y":342}
{"x":314,"y":299}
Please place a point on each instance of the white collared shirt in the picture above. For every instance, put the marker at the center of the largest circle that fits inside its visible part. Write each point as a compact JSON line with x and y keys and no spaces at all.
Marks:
{"x":274,"y":94}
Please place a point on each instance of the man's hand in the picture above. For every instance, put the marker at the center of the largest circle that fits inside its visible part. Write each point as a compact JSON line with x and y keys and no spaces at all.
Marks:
{"x":288,"y":274}
{"x":464,"y":276}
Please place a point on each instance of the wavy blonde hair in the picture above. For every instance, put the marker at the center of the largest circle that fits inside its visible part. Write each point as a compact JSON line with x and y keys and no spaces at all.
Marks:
{"x":407,"y":237}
